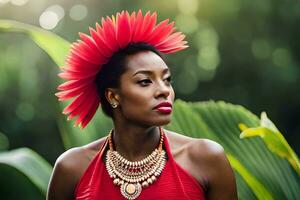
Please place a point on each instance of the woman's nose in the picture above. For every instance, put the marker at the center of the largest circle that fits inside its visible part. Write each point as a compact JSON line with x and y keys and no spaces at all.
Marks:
{"x":163,"y":90}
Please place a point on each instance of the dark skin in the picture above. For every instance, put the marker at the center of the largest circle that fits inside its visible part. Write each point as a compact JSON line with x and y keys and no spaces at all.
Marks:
{"x":146,"y":83}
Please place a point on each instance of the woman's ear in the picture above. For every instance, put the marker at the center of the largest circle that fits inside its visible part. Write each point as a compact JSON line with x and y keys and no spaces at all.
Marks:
{"x":112,"y":96}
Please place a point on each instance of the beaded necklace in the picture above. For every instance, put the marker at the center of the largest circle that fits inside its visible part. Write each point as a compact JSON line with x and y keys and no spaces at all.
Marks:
{"x":132,"y":176}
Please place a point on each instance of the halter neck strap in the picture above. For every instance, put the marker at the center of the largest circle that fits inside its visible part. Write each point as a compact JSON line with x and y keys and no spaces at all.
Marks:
{"x":167,"y":148}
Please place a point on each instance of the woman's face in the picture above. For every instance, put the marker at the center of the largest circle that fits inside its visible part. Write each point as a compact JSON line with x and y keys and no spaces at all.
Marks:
{"x":146,"y":94}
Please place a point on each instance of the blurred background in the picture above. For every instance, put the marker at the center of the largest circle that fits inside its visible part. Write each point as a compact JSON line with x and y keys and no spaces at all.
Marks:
{"x":243,"y":52}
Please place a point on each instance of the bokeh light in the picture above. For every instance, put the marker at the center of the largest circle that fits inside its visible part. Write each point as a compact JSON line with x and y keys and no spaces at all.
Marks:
{"x":188,"y":7}
{"x":281,"y":57}
{"x":25,"y":111}
{"x":186,"y":23}
{"x":187,"y":82}
{"x":3,"y":2}
{"x":18,"y":2}
{"x":49,"y":19}
{"x":58,"y":9}
{"x":261,"y":48}
{"x":208,"y":57}
{"x":78,"y":12}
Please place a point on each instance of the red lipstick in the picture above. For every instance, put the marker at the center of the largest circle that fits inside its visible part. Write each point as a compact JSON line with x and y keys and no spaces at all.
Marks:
{"x":164,"y":107}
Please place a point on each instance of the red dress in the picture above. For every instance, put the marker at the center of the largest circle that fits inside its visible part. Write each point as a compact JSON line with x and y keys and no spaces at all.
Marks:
{"x":174,"y":183}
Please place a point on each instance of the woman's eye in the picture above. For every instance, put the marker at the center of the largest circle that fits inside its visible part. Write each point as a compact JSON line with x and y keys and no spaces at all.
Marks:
{"x":144,"y":82}
{"x":169,"y":79}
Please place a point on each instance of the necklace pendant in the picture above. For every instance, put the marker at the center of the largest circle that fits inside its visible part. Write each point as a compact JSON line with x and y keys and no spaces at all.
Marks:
{"x":131,"y":190}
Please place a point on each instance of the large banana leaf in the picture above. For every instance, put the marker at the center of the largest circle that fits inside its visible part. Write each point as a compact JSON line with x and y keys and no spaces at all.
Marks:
{"x":57,"y":48}
{"x":24,"y":171}
{"x":260,"y":174}
{"x":54,"y":45}
{"x":219,"y":121}
{"x":73,"y":136}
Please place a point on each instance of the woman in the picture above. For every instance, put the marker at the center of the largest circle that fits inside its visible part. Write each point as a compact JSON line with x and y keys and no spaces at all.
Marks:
{"x":121,"y":65}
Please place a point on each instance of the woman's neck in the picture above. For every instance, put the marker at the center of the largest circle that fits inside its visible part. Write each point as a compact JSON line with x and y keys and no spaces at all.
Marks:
{"x":135,"y":143}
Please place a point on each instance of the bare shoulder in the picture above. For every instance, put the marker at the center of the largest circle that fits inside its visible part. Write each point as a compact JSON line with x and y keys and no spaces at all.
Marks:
{"x":204,"y":154}
{"x":206,"y":161}
{"x":77,"y":158}
{"x":197,"y":147}
{"x":68,"y":169}
{"x":210,"y":157}
{"x":206,"y":149}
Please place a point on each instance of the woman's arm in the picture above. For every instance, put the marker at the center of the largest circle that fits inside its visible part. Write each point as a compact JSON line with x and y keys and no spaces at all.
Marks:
{"x":215,"y":169}
{"x":221,"y":180}
{"x":64,"y":176}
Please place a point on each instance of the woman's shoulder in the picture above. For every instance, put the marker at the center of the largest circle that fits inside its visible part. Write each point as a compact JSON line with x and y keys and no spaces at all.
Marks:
{"x":70,"y":166}
{"x":77,"y":159}
{"x":200,"y":157}
{"x":198,"y":147}
{"x":206,"y":160}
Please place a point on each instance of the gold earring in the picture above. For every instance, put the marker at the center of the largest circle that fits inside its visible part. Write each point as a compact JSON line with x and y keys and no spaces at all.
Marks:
{"x":114,"y":104}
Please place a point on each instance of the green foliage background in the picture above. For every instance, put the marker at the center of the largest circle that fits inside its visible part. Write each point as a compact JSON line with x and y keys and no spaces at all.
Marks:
{"x":241,"y":52}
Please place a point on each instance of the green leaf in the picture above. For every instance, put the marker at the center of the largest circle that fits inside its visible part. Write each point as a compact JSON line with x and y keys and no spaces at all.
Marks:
{"x":267,"y":123}
{"x":257,"y":187}
{"x":219,"y":121}
{"x":74,"y":136}
{"x":55,"y":46}
{"x":4,"y":143}
{"x":29,"y":164}
{"x":273,"y":139}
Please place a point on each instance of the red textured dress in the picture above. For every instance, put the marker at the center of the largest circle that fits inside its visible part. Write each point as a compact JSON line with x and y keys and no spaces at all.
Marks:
{"x":174,"y":183}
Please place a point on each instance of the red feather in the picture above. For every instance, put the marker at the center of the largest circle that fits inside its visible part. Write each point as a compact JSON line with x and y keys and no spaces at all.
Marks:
{"x":88,"y":55}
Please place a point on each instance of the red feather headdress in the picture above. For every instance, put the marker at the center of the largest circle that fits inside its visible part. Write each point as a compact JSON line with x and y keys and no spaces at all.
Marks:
{"x":87,"y":56}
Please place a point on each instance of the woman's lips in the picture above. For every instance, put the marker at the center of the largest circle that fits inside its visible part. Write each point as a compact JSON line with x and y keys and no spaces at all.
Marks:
{"x":164,"y":107}
{"x":165,"y":110}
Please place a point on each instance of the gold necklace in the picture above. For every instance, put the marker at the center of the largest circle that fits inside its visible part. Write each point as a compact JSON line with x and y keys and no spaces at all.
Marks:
{"x":133,"y":176}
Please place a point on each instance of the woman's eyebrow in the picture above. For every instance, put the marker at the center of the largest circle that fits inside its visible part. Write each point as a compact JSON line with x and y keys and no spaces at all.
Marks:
{"x":149,"y":72}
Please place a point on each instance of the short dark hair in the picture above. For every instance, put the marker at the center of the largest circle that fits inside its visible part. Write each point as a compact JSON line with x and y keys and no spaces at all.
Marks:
{"x":110,"y":73}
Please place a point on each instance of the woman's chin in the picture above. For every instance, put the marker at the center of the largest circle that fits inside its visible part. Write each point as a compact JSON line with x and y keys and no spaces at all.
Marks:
{"x":162,"y":122}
